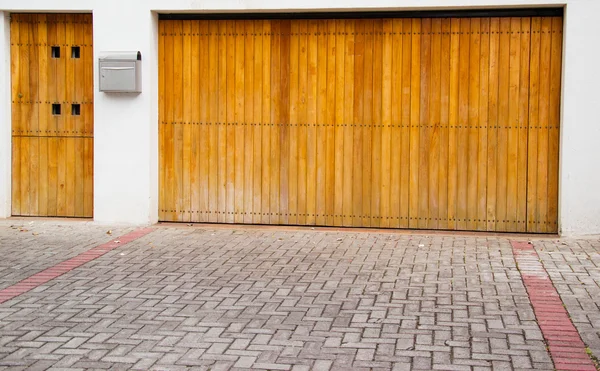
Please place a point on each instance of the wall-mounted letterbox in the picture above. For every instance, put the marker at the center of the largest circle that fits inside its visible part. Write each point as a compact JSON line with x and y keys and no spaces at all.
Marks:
{"x":121,"y":72}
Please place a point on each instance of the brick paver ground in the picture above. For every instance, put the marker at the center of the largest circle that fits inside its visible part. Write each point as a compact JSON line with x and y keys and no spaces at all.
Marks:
{"x":31,"y":245}
{"x":574,"y":267}
{"x":238,"y":298}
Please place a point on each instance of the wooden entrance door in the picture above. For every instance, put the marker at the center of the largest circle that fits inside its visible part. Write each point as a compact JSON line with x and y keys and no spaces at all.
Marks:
{"x":392,"y":123}
{"x":52,"y":114}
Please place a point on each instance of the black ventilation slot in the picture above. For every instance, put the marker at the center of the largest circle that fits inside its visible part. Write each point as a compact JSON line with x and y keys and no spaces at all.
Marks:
{"x":75,"y":52}
{"x":56,"y":52}
{"x":75,"y":109}
{"x":56,"y":109}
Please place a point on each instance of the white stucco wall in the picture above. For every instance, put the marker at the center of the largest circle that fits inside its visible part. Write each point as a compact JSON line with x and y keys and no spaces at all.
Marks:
{"x":126,"y":128}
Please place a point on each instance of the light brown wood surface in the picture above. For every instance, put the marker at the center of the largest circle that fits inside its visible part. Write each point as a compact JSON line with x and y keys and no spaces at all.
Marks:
{"x":394,"y":123}
{"x":52,"y":165}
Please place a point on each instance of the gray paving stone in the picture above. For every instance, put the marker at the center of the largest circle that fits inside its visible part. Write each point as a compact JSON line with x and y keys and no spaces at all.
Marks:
{"x":574,"y":267}
{"x":238,"y":298}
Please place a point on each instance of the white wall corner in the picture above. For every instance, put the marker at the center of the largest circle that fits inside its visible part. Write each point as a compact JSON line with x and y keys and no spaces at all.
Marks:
{"x":5,"y":117}
{"x":579,"y":199}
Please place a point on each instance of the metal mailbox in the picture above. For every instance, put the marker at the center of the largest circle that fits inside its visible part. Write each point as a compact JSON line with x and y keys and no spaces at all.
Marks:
{"x":121,"y":72}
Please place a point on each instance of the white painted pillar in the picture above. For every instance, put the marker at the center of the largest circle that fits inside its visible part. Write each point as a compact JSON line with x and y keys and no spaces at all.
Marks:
{"x":579,"y":187}
{"x":125,"y":125}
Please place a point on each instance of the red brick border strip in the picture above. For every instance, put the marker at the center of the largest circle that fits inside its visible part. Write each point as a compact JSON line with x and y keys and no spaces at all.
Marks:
{"x":61,"y":268}
{"x":566,"y":347}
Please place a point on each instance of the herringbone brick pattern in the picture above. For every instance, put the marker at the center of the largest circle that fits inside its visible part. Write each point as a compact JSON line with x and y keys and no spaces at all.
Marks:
{"x":198,"y":298}
{"x":574,"y":267}
{"x":32,"y":245}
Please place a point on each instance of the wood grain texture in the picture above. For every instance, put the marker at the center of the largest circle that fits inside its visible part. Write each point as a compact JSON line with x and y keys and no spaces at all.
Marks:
{"x":52,"y":164}
{"x":392,"y":123}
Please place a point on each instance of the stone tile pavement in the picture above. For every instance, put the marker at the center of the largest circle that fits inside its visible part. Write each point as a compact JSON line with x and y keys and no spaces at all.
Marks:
{"x":29,"y":245}
{"x":574,"y":267}
{"x":213,"y":298}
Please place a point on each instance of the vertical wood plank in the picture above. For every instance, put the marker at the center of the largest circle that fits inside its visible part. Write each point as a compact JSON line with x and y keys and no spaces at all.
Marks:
{"x":521,"y":224}
{"x":258,"y":102}
{"x":473,"y":123}
{"x":482,"y":155}
{"x":554,"y":123}
{"x":358,"y":122}
{"x":25,"y":114}
{"x":503,"y":123}
{"x":239,"y":144}
{"x":312,"y":156}
{"x":79,"y":121}
{"x":43,"y":72}
{"x":88,"y":112}
{"x":302,"y":131}
{"x":15,"y":63}
{"x":293,"y":122}
{"x":178,"y":118}
{"x":444,"y":124}
{"x":405,"y":174}
{"x":513,"y":121}
{"x":266,"y":207}
{"x":16,"y":177}
{"x":168,"y":123}
{"x":348,"y":128}
{"x":161,"y":121}
{"x":284,"y":133}
{"x":396,"y":123}
{"x":322,"y":129}
{"x":200,"y":187}
{"x":463,"y":124}
{"x":61,"y":124}
{"x":415,"y":95}
{"x":68,"y":117}
{"x":231,"y":108}
{"x":376,"y":191}
{"x":53,"y":65}
{"x":544,"y":119}
{"x":213,"y":120}
{"x":455,"y":45}
{"x":339,"y":120}
{"x":249,"y":122}
{"x":222,"y":120}
{"x":533,"y":131}
{"x":385,"y":123}
{"x":492,"y":131}
{"x":276,"y":120}
{"x":194,"y":120}
{"x":367,"y":163}
{"x":434,"y":123}
{"x":330,"y":124}
{"x":187,"y":124}
{"x":424,"y":121}
{"x":34,"y":155}
{"x":88,"y":153}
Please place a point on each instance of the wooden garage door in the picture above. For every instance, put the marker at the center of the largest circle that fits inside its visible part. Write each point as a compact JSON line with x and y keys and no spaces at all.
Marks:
{"x":52,"y":114}
{"x":393,"y":123}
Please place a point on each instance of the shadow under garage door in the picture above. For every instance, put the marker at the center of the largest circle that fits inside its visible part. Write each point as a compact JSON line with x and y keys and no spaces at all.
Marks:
{"x":435,"y":123}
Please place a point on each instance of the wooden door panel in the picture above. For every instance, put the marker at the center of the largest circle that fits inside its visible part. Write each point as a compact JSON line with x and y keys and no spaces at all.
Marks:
{"x":52,"y":114}
{"x":392,"y":123}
